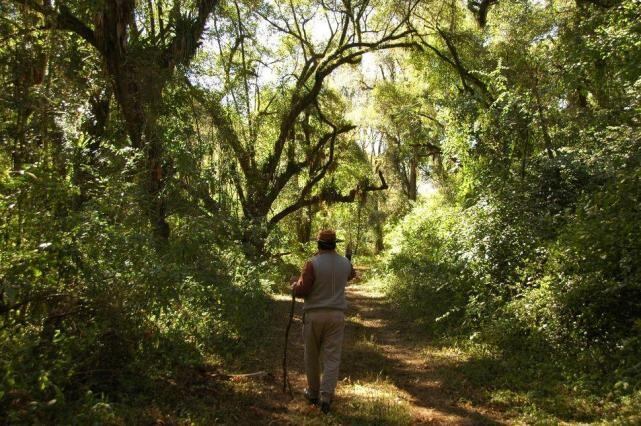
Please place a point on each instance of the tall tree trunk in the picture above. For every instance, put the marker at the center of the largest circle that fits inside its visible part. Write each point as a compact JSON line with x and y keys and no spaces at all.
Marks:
{"x":412,"y":184}
{"x":85,"y":161}
{"x":304,"y":225}
{"x":378,"y":219}
{"x":138,"y":90}
{"x":156,"y":177}
{"x":138,"y":74}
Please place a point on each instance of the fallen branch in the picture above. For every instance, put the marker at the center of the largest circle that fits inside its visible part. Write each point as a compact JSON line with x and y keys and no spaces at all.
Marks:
{"x":236,"y":377}
{"x":256,"y":375}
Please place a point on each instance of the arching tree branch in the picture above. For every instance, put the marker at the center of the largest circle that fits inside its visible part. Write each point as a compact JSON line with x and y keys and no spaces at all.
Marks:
{"x":185,"y":43}
{"x":331,"y":197}
{"x":61,"y":19}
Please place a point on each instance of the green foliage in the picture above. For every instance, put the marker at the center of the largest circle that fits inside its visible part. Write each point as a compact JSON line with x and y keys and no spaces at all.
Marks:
{"x":534,"y":241}
{"x":429,"y":278}
{"x":138,"y":188}
{"x":93,"y":312}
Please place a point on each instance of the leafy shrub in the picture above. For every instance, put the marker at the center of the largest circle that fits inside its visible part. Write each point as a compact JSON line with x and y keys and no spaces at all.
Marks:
{"x":427,"y":272}
{"x":92,"y":313}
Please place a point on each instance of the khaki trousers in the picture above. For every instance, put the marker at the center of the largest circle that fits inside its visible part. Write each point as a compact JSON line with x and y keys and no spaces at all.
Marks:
{"x":323,"y":336}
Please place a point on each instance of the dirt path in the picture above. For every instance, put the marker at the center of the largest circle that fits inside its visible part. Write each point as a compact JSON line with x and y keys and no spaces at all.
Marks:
{"x":388,"y":376}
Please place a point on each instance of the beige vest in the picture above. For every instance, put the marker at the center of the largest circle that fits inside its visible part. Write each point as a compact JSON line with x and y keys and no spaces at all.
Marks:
{"x":331,"y":272}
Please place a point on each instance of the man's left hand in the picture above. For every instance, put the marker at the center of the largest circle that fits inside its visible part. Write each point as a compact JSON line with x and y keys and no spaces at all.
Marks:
{"x":293,"y":280}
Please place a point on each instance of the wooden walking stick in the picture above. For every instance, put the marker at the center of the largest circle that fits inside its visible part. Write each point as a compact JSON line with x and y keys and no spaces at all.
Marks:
{"x":286,"y":383}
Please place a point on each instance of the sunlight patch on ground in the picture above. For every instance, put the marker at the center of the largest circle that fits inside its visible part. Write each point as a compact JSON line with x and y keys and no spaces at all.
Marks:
{"x":444,"y":356}
{"x":282,"y":297}
{"x":367,"y":322}
{"x":377,"y":402}
{"x":367,"y":341}
{"x":374,"y":287}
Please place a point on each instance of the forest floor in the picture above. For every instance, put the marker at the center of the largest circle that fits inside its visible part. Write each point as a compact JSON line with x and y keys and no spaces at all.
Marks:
{"x":388,"y":375}
{"x":392,"y":373}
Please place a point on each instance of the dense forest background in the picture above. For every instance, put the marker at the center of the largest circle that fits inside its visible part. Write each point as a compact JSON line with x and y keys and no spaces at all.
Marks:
{"x":165,"y":163}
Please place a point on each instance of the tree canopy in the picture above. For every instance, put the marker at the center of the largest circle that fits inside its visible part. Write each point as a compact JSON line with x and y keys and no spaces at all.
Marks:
{"x":165,"y":164}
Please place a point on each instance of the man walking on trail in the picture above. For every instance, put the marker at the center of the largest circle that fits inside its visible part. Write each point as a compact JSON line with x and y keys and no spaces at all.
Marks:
{"x":322,"y":285}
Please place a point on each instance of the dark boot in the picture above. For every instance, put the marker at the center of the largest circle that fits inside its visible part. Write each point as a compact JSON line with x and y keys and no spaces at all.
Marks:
{"x":309,"y":396}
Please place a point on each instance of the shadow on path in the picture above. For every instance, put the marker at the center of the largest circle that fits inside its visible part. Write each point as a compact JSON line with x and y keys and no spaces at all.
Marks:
{"x":378,"y":343}
{"x":384,"y":370}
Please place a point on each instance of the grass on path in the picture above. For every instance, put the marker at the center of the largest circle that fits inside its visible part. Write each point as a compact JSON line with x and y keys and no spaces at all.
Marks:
{"x":388,"y":377}
{"x":391,"y":374}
